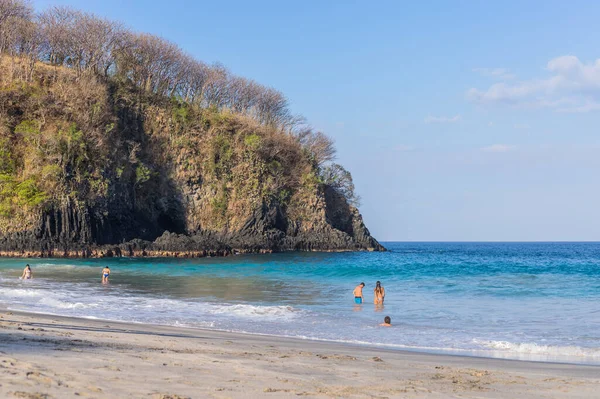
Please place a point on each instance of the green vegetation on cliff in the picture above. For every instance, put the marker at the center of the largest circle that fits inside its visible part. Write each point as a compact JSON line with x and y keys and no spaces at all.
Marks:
{"x":108,"y":135}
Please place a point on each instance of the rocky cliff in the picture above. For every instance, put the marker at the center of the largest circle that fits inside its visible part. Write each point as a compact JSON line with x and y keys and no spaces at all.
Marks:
{"x":92,"y":167}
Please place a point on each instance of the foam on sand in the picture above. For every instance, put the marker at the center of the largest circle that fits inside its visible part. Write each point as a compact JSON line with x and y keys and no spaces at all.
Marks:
{"x":251,"y":311}
{"x":529,"y":348}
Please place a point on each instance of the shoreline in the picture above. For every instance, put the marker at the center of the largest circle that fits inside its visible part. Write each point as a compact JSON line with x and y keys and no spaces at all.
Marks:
{"x":73,"y":357}
{"x":298,"y":340}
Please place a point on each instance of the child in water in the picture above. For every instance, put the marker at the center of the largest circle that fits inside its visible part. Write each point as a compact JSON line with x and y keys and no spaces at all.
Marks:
{"x":387,"y":322}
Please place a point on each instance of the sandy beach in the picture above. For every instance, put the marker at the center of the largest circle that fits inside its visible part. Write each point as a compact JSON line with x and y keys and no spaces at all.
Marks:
{"x":56,"y":357}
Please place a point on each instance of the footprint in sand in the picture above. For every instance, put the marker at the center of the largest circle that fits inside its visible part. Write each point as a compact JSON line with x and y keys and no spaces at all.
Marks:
{"x":28,"y":395}
{"x":41,"y":378}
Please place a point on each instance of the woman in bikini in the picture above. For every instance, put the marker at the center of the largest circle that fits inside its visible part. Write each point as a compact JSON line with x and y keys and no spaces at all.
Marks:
{"x":379,"y":294}
{"x":27,"y":273}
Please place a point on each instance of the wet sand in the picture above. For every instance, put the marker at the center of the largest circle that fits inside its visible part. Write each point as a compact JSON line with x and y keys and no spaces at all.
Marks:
{"x":57,"y":357}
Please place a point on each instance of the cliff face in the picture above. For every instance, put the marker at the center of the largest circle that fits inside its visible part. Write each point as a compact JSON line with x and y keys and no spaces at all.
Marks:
{"x":94,"y":168}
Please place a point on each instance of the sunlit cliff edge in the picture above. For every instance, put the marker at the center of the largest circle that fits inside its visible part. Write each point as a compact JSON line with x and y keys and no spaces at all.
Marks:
{"x":126,"y":146}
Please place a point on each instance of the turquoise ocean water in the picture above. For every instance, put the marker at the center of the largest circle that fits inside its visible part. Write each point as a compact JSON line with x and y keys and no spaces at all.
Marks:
{"x":533,"y":301}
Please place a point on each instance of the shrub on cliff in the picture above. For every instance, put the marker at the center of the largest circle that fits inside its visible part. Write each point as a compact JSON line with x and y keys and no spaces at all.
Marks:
{"x":121,"y":123}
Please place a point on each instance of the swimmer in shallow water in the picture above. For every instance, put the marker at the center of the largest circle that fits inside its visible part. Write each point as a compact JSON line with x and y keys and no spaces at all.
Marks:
{"x":27,"y":273}
{"x":105,"y":274}
{"x":387,"y":322}
{"x":378,"y":294}
{"x":358,"y":295}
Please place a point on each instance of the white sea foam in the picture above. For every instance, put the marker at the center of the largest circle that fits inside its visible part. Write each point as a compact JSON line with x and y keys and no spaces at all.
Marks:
{"x":197,"y":324}
{"x":64,"y":304}
{"x":14,"y":293}
{"x":86,"y":301}
{"x":544,"y":350}
{"x":54,"y":266}
{"x":240,"y":310}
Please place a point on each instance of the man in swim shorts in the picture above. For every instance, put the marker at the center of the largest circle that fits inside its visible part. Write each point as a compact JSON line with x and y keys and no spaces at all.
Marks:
{"x":105,"y":274}
{"x":358,"y":295}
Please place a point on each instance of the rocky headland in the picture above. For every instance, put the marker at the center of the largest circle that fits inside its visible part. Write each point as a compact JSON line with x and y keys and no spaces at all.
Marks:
{"x":117,"y":143}
{"x":93,"y":168}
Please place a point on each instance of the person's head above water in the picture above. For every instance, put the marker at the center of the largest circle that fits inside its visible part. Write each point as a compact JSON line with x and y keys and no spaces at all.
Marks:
{"x":387,"y":320}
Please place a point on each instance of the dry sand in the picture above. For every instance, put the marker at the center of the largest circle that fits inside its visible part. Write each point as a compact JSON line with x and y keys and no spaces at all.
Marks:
{"x":57,"y":357}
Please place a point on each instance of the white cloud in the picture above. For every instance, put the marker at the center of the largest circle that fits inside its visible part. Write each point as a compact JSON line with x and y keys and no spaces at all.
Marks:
{"x":571,"y":87}
{"x":498,"y":148}
{"x":587,"y":107}
{"x":496,"y":73}
{"x":442,"y":119}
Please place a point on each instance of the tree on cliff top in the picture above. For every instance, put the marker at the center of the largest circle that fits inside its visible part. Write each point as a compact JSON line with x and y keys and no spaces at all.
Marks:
{"x":94,"y":46}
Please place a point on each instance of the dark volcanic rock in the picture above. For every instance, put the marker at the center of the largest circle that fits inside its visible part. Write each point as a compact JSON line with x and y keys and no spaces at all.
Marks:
{"x":74,"y":232}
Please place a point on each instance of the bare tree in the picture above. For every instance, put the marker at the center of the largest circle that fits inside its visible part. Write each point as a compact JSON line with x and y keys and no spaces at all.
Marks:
{"x":320,"y":147}
{"x":197,"y":77}
{"x":215,"y":89}
{"x":94,"y":42}
{"x":30,"y":45}
{"x":272,"y":108}
{"x":15,"y":9}
{"x":12,"y":14}
{"x":151,"y":63}
{"x":58,"y":26}
{"x":67,"y":37}
{"x":338,"y":178}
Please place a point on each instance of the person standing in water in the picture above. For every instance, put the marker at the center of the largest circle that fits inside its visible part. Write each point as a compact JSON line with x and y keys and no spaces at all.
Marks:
{"x":27,"y":273}
{"x":105,"y":274}
{"x":358,"y":295}
{"x":379,"y":294}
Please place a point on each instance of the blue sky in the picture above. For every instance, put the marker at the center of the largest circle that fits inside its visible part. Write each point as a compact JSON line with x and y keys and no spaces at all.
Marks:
{"x":459,"y":120}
